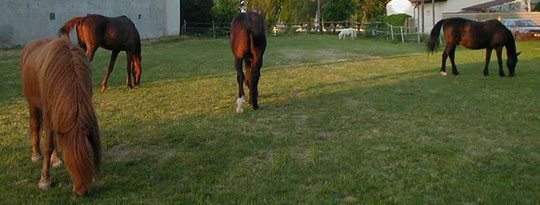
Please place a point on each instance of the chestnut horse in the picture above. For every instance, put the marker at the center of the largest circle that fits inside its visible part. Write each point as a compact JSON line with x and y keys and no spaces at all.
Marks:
{"x":248,"y":42}
{"x":57,"y":82}
{"x":490,"y":35}
{"x":111,"y":33}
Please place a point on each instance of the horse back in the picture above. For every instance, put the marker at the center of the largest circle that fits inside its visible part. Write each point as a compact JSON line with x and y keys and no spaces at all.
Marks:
{"x":476,"y":35}
{"x":121,"y":32}
{"x":112,"y":33}
{"x":31,"y":70}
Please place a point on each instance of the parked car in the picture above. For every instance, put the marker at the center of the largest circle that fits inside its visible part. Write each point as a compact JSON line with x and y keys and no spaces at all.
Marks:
{"x":523,"y":29}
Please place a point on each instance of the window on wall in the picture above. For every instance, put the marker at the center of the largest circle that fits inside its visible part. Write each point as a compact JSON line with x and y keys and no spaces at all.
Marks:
{"x":52,"y":16}
{"x":428,"y":13}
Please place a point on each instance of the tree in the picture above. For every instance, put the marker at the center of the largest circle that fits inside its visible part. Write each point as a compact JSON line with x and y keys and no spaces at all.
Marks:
{"x":196,"y":10}
{"x":269,"y":8}
{"x":295,"y":11}
{"x":225,"y":10}
{"x":366,"y":10}
{"x":337,"y":10}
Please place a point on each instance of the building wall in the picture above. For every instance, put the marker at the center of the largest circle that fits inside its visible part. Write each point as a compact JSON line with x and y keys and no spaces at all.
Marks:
{"x":440,"y":8}
{"x":22,"y":21}
{"x":172,"y":17}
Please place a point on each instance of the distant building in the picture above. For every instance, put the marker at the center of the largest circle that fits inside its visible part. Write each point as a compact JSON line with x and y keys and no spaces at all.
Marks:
{"x":499,"y":6}
{"x":435,"y":10}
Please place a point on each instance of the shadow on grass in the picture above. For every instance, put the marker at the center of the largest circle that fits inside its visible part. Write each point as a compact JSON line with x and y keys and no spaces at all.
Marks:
{"x":399,"y":132}
{"x":401,"y":137}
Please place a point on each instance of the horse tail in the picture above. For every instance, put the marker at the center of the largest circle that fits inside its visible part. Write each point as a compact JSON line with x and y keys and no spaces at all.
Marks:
{"x":433,"y":42}
{"x":68,"y":26}
{"x":67,"y":89}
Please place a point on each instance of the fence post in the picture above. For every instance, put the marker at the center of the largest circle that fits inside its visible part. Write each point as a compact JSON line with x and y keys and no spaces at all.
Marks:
{"x":392,"y":31}
{"x":185,"y":27}
{"x":402,"y":37}
{"x":418,"y":33}
{"x":213,"y":29}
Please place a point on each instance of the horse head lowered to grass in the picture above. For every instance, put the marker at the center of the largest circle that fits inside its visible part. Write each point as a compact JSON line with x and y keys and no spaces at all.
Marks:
{"x":57,"y":82}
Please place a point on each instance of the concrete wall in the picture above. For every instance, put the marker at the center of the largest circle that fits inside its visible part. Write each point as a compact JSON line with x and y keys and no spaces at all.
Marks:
{"x":535,"y":16}
{"x":22,"y":21}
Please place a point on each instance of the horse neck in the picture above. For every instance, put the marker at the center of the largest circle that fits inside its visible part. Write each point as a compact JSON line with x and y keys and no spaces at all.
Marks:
{"x":511,"y":48}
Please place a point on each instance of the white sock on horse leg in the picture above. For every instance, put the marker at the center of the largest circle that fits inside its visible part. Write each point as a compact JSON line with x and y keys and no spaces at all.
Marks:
{"x":239,"y":103}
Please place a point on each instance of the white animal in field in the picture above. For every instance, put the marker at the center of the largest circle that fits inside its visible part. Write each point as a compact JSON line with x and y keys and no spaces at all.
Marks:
{"x":347,"y":32}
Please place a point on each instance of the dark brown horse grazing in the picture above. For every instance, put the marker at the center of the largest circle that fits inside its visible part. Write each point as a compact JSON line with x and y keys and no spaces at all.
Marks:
{"x":248,"y":42}
{"x":115,"y":34}
{"x":57,"y":82}
{"x":490,"y":35}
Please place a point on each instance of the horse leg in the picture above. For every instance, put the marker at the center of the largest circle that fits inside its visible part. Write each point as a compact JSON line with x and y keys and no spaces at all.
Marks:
{"x":253,"y":90}
{"x":247,"y":64}
{"x":137,"y":72}
{"x":90,"y":51}
{"x":45,"y":182}
{"x":444,"y":57}
{"x":129,"y":69}
{"x":488,"y":58}
{"x":109,"y":70}
{"x":35,"y":128}
{"x":240,"y":79}
{"x":498,"y":50}
{"x":452,"y":55}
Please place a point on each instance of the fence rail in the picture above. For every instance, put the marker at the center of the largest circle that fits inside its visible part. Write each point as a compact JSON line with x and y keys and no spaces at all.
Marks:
{"x":368,"y":29}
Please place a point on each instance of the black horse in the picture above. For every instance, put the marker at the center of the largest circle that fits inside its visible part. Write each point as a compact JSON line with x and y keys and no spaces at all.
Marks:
{"x":490,"y":35}
{"x":248,"y":42}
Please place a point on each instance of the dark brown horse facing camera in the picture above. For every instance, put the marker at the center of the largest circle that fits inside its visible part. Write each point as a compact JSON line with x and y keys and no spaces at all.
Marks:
{"x":111,"y":33}
{"x":490,"y":35}
{"x":248,"y":43}
{"x":57,"y":82}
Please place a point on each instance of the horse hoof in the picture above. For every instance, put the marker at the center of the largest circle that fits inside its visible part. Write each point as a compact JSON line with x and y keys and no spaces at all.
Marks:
{"x":239,"y":111}
{"x":57,"y":163}
{"x":443,"y":73}
{"x":44,"y":185}
{"x":36,"y":158}
{"x":103,"y":88}
{"x":79,"y":193}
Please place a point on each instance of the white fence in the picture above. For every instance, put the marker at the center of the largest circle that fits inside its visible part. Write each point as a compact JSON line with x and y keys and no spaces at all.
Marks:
{"x":366,"y":29}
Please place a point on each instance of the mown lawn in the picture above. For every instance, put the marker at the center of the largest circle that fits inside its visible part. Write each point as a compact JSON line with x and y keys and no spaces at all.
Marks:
{"x":364,"y":121}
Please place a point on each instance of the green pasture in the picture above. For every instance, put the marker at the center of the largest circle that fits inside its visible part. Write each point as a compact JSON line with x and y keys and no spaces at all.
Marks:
{"x":353,"y":121}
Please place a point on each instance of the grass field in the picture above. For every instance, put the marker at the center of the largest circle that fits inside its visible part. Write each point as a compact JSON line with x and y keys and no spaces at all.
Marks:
{"x":364,"y":121}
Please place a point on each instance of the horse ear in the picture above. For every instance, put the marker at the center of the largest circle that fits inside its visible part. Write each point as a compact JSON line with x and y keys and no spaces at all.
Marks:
{"x":517,"y":54}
